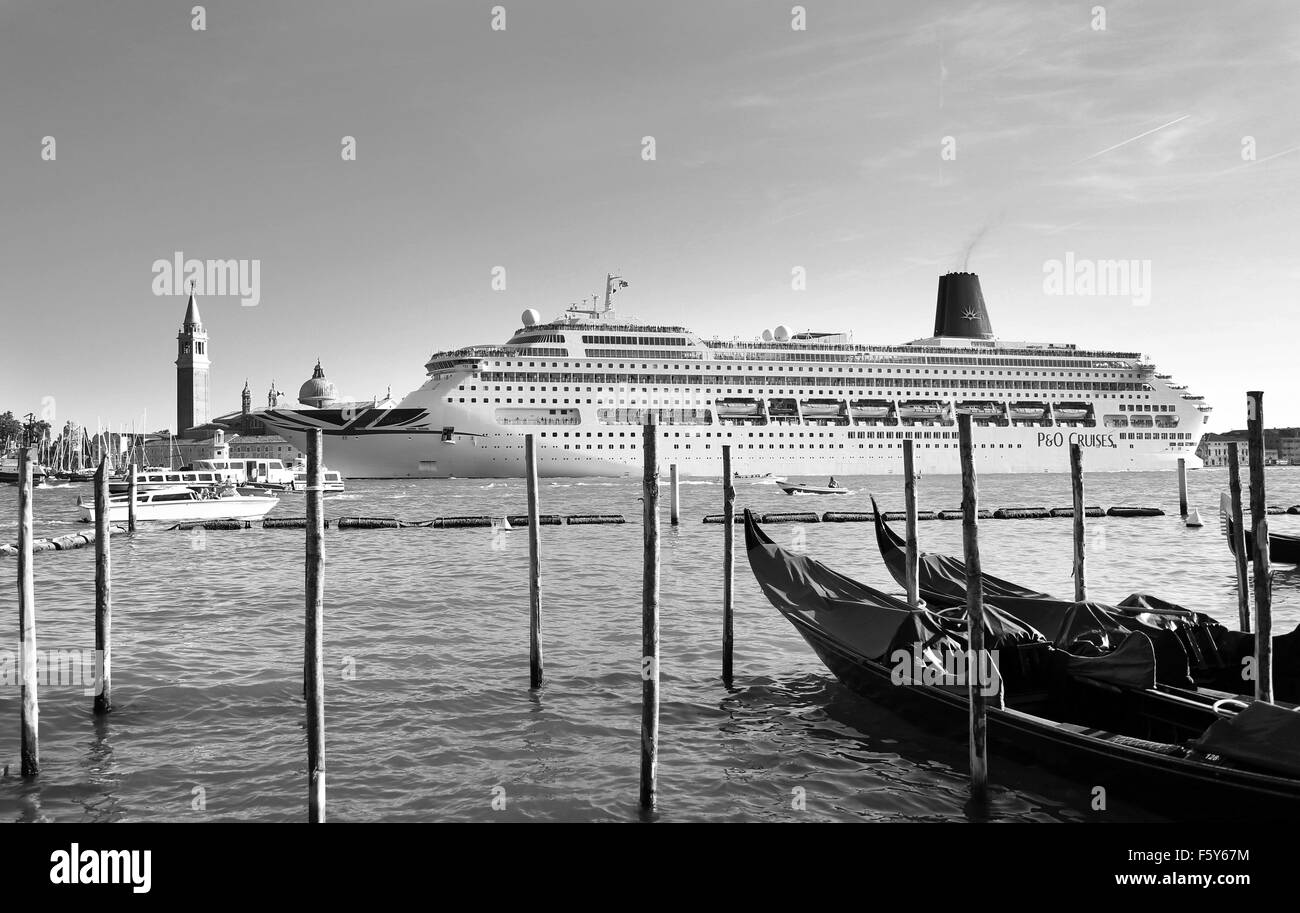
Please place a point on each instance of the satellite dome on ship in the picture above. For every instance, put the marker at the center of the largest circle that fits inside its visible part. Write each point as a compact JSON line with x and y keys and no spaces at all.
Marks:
{"x":317,"y":392}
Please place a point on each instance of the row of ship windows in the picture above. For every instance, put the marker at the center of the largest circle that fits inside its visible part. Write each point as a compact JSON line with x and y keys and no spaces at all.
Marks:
{"x":776,"y":446}
{"x":694,"y":378}
{"x":808,"y":356}
{"x":805,"y":446}
{"x":892,"y":435}
{"x":678,"y":402}
{"x":636,"y":340}
{"x":856,"y":383}
{"x":880,"y":383}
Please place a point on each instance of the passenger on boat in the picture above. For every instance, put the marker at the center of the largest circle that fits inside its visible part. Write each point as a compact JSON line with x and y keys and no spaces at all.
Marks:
{"x":832,"y":483}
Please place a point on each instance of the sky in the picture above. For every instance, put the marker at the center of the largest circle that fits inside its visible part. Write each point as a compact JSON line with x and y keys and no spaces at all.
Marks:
{"x":879,"y":146}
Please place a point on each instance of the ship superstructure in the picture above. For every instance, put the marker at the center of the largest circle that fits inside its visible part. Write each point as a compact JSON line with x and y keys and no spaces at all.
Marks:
{"x":790,"y":403}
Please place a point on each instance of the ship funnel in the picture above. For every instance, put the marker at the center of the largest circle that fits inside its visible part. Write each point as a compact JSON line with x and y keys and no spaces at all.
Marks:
{"x":960,"y":309}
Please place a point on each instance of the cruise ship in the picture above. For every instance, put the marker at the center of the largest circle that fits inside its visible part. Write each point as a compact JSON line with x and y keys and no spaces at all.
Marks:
{"x":808,"y":403}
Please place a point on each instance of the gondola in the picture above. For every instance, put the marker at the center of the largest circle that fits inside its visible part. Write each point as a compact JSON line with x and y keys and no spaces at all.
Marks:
{"x":1102,"y":719}
{"x":1194,"y":649}
{"x":1282,"y":549}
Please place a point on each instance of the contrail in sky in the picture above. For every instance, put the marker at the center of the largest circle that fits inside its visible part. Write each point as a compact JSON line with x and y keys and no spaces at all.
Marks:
{"x":1134,"y":139}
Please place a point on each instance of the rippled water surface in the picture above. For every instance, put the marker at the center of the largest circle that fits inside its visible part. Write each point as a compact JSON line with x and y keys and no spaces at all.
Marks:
{"x":429,"y":716}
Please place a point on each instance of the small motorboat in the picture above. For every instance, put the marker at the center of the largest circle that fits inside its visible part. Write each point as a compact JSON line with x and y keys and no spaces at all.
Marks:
{"x":798,"y":488}
{"x":9,"y":472}
{"x":181,"y":503}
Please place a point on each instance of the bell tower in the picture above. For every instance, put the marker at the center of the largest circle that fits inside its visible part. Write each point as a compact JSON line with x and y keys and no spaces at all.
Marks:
{"x":192,"y":366}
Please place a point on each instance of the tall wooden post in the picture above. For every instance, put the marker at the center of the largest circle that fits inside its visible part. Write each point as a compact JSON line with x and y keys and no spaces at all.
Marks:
{"x":1182,"y":486}
{"x":534,"y":565}
{"x":650,"y":619}
{"x":103,"y":593}
{"x":728,"y":563}
{"x":1259,"y":527}
{"x":911,"y":555}
{"x":979,"y":770}
{"x":1076,"y":488}
{"x":29,"y":709}
{"x":1238,"y":533}
{"x":314,"y":640}
{"x":130,"y":498}
{"x":675,"y":508}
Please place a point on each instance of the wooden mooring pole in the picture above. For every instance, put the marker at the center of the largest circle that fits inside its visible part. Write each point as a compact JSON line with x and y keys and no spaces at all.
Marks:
{"x":1259,"y":533}
{"x":650,"y":620}
{"x":29,"y":709}
{"x":979,"y":769}
{"x":130,"y":498}
{"x":1182,"y":487}
{"x":314,"y":640}
{"x":103,"y":593}
{"x":1238,"y":534}
{"x":1076,"y":488}
{"x":534,"y":567}
{"x":675,"y":509}
{"x":911,"y":555}
{"x":728,"y":563}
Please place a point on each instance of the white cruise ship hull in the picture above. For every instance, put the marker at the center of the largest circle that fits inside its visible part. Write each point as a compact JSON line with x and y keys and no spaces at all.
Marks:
{"x":500,"y":454}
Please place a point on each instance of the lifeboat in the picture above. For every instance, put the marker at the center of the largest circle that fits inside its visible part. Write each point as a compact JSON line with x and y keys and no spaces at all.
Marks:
{"x":924,"y":410}
{"x":873,"y":410}
{"x":983,"y":411}
{"x":1029,"y":412}
{"x":737,"y":407}
{"x":1074,"y":414}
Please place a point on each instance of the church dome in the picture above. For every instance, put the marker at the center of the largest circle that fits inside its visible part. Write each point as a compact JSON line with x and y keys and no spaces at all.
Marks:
{"x":318,"y":391}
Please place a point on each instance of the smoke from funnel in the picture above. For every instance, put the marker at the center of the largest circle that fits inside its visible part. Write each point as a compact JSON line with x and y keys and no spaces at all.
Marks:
{"x":970,"y":246}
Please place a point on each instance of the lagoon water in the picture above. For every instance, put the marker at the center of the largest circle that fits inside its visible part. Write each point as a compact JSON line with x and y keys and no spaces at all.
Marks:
{"x":428,"y":713}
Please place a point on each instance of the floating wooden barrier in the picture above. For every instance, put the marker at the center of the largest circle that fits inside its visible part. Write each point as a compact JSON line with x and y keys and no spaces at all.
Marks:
{"x":60,"y":543}
{"x":807,"y":517}
{"x":285,"y":523}
{"x":1069,"y":512}
{"x":215,"y":525}
{"x":388,"y":522}
{"x":584,"y":519}
{"x":446,"y":523}
{"x":900,"y":516}
{"x":1021,"y":513}
{"x":1135,"y":512}
{"x":521,"y":520}
{"x":721,"y":518}
{"x":842,"y":516}
{"x":980,"y":514}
